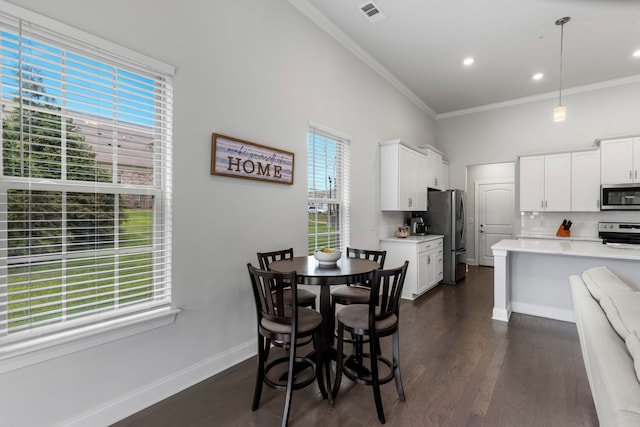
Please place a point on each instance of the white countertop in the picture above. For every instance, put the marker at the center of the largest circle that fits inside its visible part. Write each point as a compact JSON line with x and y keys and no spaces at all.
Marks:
{"x":554,"y":237}
{"x":412,"y":239}
{"x":571,"y":248}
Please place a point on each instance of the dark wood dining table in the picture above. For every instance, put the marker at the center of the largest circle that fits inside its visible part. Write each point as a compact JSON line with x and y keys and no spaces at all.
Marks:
{"x":310,"y":272}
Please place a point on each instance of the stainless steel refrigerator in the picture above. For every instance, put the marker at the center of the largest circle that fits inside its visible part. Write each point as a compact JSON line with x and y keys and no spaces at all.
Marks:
{"x":446,"y":216}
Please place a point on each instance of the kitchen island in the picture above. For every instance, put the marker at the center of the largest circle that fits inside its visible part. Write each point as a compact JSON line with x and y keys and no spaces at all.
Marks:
{"x":532,"y":276}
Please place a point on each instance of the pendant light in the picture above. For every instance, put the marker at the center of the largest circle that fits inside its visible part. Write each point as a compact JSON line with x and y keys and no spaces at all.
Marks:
{"x":560,"y":112}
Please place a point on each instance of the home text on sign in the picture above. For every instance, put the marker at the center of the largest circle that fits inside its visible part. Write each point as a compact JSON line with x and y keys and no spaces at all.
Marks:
{"x":251,"y":167}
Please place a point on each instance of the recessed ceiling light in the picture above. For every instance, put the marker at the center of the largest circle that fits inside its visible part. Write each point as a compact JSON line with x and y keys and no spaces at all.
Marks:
{"x":538,"y":76}
{"x":636,"y":54}
{"x":468,"y":61}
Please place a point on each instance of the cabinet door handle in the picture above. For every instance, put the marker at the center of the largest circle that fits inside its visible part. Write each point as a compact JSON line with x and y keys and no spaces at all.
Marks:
{"x":636,"y":173}
{"x":428,"y":259}
{"x":630,"y":174}
{"x":542,"y":203}
{"x":410,"y":202}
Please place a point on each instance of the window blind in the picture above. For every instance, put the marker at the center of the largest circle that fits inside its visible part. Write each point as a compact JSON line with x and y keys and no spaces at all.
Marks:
{"x":328,"y":188}
{"x":85,"y":182}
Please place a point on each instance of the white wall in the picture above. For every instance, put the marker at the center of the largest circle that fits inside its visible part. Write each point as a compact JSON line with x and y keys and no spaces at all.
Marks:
{"x":501,"y":135}
{"x":252,"y":69}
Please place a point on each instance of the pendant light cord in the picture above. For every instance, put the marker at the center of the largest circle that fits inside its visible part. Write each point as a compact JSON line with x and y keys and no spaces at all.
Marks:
{"x":561,"y":22}
{"x":561,"y":50}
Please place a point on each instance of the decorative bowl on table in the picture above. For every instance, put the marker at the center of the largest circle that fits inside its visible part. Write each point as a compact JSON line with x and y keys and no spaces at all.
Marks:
{"x":327,"y":256}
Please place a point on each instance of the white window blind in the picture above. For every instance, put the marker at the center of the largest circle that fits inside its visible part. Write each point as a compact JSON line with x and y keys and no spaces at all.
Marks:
{"x":328,"y":207}
{"x":85,"y":182}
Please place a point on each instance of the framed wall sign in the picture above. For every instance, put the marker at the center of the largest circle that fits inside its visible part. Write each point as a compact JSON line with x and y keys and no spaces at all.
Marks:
{"x":242,"y":159}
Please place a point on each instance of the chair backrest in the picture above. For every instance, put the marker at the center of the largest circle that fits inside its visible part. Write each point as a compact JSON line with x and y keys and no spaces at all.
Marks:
{"x":377,"y":256}
{"x":268,"y":292}
{"x":266,"y":258}
{"x":386,"y":290}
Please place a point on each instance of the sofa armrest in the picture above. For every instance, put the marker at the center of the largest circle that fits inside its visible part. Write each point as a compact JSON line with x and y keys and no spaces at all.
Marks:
{"x":614,"y":385}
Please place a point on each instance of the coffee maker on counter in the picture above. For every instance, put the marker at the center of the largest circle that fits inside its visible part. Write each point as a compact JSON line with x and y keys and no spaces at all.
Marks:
{"x":417,"y":225}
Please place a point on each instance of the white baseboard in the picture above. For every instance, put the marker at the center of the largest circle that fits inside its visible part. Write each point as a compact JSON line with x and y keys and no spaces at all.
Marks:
{"x":140,"y":399}
{"x":543,"y":311}
{"x":501,"y":314}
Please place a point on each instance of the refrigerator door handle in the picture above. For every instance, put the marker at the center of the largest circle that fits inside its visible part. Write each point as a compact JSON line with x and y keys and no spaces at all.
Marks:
{"x":463,"y":214}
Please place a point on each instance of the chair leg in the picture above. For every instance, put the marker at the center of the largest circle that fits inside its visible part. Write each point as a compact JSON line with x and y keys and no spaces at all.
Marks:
{"x":339,"y":360}
{"x":396,"y":365}
{"x":267,"y":347}
{"x":374,"y":378}
{"x":319,"y":366}
{"x":290,"y":375}
{"x":260,"y":372}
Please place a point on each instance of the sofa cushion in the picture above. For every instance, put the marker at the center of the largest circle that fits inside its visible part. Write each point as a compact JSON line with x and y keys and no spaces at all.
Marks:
{"x":633,"y":345}
{"x":623,"y":312}
{"x":603,"y":282}
{"x":618,"y":300}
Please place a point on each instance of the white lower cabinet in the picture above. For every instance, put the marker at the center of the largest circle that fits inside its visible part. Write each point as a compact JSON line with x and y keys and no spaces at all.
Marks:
{"x":425,"y":258}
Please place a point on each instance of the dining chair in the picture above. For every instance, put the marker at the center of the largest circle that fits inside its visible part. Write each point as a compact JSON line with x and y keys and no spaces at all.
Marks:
{"x":357,"y":293}
{"x":306,"y":298}
{"x":285,"y":322}
{"x":375,"y":320}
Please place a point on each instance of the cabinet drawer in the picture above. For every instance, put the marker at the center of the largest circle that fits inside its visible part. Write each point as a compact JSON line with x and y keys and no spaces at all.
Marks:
{"x":426,"y":246}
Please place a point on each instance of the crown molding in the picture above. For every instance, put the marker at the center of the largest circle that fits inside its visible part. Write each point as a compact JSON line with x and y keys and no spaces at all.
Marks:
{"x":541,"y":97}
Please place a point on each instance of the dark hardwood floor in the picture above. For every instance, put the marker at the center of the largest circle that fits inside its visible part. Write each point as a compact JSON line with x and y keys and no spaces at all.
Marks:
{"x":459,"y":368}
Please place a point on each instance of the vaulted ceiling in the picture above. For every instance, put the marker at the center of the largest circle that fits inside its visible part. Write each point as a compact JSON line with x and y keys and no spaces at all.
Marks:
{"x":420,"y":45}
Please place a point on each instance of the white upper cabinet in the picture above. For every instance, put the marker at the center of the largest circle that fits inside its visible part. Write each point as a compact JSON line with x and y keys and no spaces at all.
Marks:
{"x":620,"y":161}
{"x":545,"y":183}
{"x":434,"y":169}
{"x":532,"y":183}
{"x":585,"y":181}
{"x":402,"y":177}
{"x":445,"y":175}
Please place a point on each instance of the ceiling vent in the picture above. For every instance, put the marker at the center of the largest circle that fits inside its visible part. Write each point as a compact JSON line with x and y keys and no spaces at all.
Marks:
{"x":373,"y":12}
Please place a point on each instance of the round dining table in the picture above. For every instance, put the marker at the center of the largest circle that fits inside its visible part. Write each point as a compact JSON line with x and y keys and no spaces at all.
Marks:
{"x":310,"y":272}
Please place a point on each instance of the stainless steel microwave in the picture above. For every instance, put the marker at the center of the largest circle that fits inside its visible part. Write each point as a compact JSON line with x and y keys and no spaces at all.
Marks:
{"x":620,"y":197}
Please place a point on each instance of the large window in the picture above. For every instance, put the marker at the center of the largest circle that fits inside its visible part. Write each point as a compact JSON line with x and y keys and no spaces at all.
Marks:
{"x":328,"y":204}
{"x":85,"y":182}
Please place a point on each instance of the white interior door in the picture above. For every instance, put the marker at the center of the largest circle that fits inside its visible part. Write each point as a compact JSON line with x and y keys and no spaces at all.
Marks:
{"x":495,"y":216}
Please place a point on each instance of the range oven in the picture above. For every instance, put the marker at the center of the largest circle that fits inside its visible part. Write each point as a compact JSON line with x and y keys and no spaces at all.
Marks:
{"x":619,"y":233}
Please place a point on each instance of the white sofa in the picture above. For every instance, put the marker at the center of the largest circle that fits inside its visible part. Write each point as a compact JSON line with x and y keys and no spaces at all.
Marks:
{"x":607,"y":313}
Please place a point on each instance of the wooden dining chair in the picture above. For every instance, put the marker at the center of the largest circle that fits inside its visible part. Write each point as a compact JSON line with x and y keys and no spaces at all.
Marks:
{"x":306,"y":298}
{"x":285,"y":322}
{"x":357,"y":293}
{"x":377,"y":319}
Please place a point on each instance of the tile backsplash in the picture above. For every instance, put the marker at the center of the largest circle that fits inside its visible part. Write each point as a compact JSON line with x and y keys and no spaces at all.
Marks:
{"x":585,"y":224}
{"x":390,"y":221}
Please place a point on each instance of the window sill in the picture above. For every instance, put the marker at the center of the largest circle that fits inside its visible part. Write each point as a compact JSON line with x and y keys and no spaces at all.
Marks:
{"x":20,"y":355}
